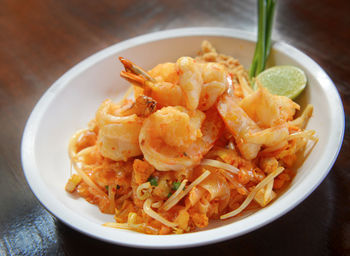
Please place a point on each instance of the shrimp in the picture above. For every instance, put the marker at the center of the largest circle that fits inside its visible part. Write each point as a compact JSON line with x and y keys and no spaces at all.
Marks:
{"x":118,"y":135}
{"x":174,"y":138}
{"x":190,"y":81}
{"x":268,"y":110}
{"x":215,"y":83}
{"x":184,"y":83}
{"x":161,"y":88}
{"x":248,"y":135}
{"x":239,"y":124}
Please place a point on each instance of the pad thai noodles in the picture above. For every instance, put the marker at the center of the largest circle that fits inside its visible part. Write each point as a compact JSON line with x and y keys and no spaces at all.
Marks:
{"x":194,"y":143}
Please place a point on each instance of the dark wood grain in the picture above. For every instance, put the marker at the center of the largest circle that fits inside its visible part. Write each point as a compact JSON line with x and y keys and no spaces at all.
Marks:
{"x":40,"y":40}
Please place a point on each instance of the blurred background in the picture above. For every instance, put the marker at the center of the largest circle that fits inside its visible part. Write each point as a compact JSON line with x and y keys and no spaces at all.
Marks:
{"x":41,"y":39}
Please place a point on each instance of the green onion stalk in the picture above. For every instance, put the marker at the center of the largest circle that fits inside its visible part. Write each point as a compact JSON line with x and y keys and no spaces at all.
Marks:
{"x":266,"y":10}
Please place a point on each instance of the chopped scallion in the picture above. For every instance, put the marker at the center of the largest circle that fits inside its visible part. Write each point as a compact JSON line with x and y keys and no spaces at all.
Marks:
{"x":176,"y":185}
{"x":153,"y":181}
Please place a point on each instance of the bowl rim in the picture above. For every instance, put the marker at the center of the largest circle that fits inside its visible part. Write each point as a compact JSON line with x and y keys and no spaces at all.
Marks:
{"x":134,"y":239}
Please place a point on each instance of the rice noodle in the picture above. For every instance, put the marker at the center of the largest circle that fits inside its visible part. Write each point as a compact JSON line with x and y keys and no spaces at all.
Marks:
{"x":221,"y":165}
{"x":134,"y":227}
{"x":268,"y":191}
{"x":74,"y":155}
{"x":72,"y":150}
{"x":175,"y":195}
{"x":79,"y":157}
{"x":144,"y":191}
{"x":304,"y":134}
{"x":87,"y":179}
{"x":111,"y":196}
{"x":148,"y":210}
{"x":182,"y":194}
{"x":250,"y":197}
{"x":124,"y":197}
{"x":236,"y":184}
{"x":157,"y":204}
{"x":132,"y":218}
{"x":124,"y":225}
{"x":275,"y":147}
{"x":85,"y":151}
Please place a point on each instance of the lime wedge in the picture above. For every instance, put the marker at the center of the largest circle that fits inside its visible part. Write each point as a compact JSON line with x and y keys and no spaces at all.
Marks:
{"x":286,"y":81}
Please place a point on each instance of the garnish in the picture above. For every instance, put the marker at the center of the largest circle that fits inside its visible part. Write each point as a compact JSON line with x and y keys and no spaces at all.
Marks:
{"x":176,"y":185}
{"x":286,"y":81}
{"x":266,"y":10}
{"x":153,"y":181}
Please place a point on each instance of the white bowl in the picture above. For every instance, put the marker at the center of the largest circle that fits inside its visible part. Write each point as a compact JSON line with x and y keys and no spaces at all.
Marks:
{"x":72,"y":101}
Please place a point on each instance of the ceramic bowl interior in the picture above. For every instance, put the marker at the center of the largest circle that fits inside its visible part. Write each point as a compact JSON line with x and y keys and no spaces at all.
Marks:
{"x":72,"y":101}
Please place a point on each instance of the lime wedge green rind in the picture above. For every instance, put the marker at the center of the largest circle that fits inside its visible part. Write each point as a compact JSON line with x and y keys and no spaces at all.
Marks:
{"x":286,"y":81}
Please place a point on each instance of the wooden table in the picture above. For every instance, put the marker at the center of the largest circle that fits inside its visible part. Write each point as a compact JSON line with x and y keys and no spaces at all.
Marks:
{"x":40,"y":40}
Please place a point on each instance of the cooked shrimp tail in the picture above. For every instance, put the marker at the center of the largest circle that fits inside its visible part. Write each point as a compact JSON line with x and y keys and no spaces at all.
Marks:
{"x":131,"y":68}
{"x":143,"y":106}
{"x":134,"y":79}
